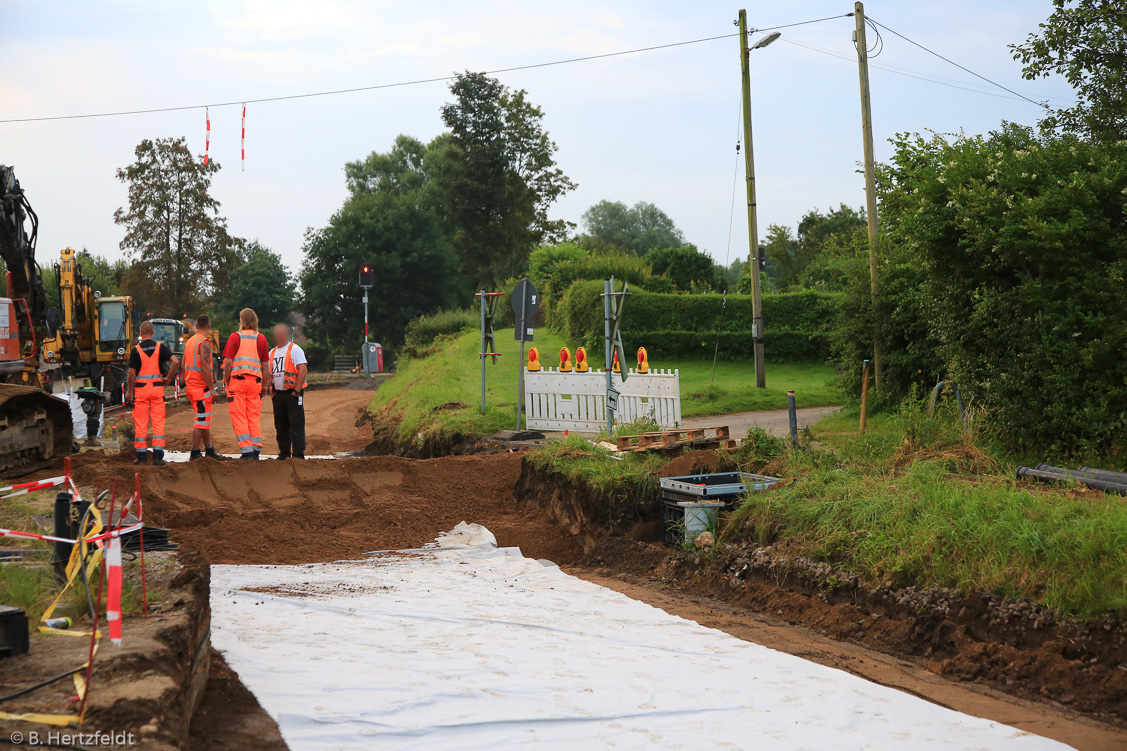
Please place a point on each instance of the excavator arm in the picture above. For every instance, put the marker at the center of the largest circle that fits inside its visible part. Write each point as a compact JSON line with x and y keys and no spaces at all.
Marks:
{"x":17,"y":249}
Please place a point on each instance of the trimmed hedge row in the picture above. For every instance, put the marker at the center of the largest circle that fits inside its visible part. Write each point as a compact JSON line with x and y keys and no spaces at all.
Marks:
{"x":670,"y":325}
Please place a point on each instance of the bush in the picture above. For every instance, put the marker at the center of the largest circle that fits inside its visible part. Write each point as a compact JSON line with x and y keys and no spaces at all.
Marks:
{"x":1009,"y":272}
{"x":554,"y":268}
{"x":673,"y":325}
{"x":422,"y":331}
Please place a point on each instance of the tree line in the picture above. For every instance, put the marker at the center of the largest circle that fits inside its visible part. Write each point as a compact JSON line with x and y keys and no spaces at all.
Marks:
{"x":1002,"y":255}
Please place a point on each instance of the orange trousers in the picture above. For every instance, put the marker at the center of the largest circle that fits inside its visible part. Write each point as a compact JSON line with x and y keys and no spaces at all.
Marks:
{"x":245,"y":404}
{"x":148,"y":405}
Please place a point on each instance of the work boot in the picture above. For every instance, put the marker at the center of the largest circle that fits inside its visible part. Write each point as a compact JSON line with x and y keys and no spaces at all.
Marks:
{"x":249,"y":457}
{"x":158,"y":458}
{"x":210,"y":452}
{"x":282,"y":457}
{"x":299,"y":456}
{"x":142,"y":457}
{"x":196,"y":454}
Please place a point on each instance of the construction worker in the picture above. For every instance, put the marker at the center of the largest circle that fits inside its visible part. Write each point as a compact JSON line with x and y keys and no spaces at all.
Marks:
{"x":199,"y":384}
{"x":288,"y":369}
{"x":150,"y":364}
{"x":246,"y":380}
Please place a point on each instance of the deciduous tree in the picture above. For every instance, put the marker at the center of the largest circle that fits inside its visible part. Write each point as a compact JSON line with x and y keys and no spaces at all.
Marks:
{"x":259,"y":281}
{"x":178,"y":242}
{"x":637,"y":228}
{"x":1086,"y":42}
{"x":498,"y":177}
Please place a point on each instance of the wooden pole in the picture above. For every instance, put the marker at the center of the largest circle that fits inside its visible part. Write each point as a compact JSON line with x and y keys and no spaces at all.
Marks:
{"x":864,"y":395}
{"x":752,"y":219}
{"x":870,"y":183}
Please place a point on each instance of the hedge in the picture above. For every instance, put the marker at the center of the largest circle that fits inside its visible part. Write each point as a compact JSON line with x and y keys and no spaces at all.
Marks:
{"x":671,"y":325}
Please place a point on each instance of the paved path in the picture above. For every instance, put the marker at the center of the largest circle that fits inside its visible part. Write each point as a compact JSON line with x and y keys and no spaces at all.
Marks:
{"x":774,"y":422}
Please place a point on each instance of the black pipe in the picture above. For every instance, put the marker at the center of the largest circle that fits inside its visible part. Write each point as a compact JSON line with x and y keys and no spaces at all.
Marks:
{"x":793,"y":415}
{"x":1112,"y":477}
{"x":1104,"y":473}
{"x":62,"y":529}
{"x":1027,"y":473}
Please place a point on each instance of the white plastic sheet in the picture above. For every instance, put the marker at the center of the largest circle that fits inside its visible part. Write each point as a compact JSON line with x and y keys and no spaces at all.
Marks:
{"x":480,"y":648}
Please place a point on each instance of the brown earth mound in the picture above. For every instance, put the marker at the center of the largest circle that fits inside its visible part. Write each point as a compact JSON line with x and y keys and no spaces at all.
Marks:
{"x":271,"y":512}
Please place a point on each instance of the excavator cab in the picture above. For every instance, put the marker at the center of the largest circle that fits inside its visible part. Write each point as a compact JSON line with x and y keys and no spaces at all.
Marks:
{"x":113,"y":322}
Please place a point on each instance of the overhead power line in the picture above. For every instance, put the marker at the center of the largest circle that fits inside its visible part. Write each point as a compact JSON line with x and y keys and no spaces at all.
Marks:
{"x":799,"y":23}
{"x":926,"y":77}
{"x":357,"y":89}
{"x":960,"y":67}
{"x":398,"y":84}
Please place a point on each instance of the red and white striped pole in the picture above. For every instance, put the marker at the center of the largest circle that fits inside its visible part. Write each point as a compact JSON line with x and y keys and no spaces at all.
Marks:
{"x":243,"y":139}
{"x":113,"y":589}
{"x":207,"y":136}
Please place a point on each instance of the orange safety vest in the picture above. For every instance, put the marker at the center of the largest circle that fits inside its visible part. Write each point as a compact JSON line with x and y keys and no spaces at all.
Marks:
{"x":247,"y":361}
{"x":149,"y":375}
{"x":289,"y":372}
{"x":193,"y":368}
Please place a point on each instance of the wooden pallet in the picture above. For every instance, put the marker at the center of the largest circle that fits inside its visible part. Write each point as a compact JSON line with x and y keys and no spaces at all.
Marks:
{"x":670,"y":439}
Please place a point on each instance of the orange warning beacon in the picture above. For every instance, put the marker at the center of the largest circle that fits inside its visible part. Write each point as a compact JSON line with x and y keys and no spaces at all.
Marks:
{"x":581,"y":365}
{"x":643,"y":360}
{"x":565,"y":360}
{"x":616,"y":367}
{"x":533,"y":359}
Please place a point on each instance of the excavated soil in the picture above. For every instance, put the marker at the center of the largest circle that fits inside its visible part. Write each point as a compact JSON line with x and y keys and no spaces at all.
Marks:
{"x":974,"y":654}
{"x":271,"y":512}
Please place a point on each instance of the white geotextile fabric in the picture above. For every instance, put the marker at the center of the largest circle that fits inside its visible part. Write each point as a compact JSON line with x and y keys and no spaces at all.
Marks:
{"x":480,"y":648}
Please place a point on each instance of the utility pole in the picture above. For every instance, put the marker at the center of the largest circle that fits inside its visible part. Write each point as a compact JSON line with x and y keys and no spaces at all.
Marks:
{"x":870,"y":181}
{"x":752,"y":227}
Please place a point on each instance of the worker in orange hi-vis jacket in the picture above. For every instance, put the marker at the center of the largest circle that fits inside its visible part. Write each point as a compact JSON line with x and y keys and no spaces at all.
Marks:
{"x":246,"y":380}
{"x":151,"y":364}
{"x":199,"y":385}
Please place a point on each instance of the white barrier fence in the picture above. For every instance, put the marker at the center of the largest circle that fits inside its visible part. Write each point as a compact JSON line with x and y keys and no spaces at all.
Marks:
{"x":554,"y":400}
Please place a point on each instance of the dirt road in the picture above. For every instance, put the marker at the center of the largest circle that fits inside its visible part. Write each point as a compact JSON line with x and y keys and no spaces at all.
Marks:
{"x":330,"y":424}
{"x":775,"y":422}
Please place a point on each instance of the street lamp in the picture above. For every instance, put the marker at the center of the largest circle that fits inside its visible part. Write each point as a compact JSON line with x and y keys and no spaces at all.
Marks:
{"x":766,"y":40}
{"x":753,"y":228}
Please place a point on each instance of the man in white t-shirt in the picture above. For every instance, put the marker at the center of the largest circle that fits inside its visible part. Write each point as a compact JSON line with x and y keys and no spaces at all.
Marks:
{"x":288,"y":369}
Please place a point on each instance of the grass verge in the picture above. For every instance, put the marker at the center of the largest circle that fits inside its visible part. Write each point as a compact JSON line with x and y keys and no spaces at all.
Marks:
{"x":439,"y":395}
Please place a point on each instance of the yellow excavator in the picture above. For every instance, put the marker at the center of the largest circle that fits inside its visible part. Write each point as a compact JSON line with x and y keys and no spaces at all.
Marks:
{"x":94,"y":336}
{"x":34,"y":426}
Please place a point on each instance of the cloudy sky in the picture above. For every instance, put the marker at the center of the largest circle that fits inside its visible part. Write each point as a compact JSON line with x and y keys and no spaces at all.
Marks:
{"x":655,"y":126}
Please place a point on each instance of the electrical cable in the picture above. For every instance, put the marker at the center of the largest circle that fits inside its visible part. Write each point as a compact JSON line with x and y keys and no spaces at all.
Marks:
{"x":799,"y":23}
{"x":735,"y":183}
{"x":356,"y":89}
{"x":903,"y":71}
{"x":400,"y":84}
{"x":41,"y":684}
{"x":960,"y":67}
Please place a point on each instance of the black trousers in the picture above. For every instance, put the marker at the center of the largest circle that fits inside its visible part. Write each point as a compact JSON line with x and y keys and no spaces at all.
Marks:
{"x":289,"y":422}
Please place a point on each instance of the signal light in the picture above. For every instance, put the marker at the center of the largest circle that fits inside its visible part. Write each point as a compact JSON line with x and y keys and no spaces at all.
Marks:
{"x":616,"y":367}
{"x":565,"y":360}
{"x":367,"y":275}
{"x":643,"y":360}
{"x":581,"y":365}
{"x":533,"y":359}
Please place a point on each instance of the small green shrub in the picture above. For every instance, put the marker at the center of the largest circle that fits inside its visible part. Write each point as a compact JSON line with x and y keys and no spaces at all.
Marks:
{"x":423,"y":330}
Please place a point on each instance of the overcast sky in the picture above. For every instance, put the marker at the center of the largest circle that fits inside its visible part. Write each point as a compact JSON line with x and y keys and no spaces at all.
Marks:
{"x":656,"y":126}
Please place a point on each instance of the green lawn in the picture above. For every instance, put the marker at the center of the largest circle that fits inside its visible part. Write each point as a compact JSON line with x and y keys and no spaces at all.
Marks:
{"x":735,"y":391}
{"x":452,"y":376}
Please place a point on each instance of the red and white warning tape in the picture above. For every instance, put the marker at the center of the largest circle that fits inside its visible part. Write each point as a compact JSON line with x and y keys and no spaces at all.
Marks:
{"x":31,"y":487}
